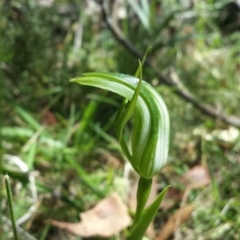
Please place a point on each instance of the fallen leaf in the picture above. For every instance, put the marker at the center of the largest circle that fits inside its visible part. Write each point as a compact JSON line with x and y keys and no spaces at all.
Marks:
{"x":106,"y":219}
{"x":48,"y":118}
{"x":172,"y":196}
{"x":175,"y":221}
{"x":197,"y":176}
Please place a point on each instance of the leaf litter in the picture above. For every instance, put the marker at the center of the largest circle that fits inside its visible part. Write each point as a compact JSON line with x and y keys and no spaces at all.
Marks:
{"x":107,"y":218}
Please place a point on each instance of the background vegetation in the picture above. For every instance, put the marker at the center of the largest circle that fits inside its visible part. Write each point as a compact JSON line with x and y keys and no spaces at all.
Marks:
{"x":64,"y":133}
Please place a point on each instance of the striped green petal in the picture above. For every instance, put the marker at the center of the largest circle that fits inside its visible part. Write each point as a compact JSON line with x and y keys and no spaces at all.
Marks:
{"x":150,"y":136}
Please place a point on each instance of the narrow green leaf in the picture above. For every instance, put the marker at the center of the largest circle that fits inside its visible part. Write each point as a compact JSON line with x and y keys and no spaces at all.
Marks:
{"x":142,"y":15}
{"x":18,"y":132}
{"x":27,"y":117}
{"x":137,"y":73}
{"x":119,"y":128}
{"x":140,"y":227}
{"x":10,"y":203}
{"x":125,"y":113}
{"x":87,"y":115}
{"x":31,"y":155}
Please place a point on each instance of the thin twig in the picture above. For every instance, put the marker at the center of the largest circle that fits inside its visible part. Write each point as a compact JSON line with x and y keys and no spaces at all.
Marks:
{"x":171,"y":81}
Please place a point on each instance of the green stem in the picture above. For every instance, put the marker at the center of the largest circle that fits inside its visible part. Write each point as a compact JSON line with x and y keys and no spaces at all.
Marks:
{"x":144,"y":188}
{"x":147,"y":215}
{"x":9,"y":195}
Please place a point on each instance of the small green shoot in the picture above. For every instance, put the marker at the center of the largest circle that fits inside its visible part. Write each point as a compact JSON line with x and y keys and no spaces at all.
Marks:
{"x":10,"y":202}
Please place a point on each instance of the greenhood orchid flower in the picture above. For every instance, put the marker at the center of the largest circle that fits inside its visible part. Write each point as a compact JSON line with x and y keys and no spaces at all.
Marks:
{"x":150,"y":135}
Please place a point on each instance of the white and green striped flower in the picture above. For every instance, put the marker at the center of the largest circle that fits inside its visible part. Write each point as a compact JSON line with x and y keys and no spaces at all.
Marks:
{"x":150,"y":136}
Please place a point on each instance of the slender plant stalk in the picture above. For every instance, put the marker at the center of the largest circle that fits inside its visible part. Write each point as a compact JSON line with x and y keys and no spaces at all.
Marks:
{"x":143,"y":191}
{"x":10,"y":202}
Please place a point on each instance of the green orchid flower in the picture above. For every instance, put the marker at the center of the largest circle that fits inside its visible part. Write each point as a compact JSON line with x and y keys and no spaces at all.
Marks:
{"x":150,"y":135}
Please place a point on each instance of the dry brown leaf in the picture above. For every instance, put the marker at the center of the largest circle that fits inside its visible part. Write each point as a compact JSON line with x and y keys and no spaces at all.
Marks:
{"x":106,"y":219}
{"x":197,"y":176}
{"x":172,"y":196}
{"x":48,"y":118}
{"x":175,"y":221}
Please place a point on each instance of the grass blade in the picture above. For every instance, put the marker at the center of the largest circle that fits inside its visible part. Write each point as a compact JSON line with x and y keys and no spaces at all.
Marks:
{"x":9,"y":195}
